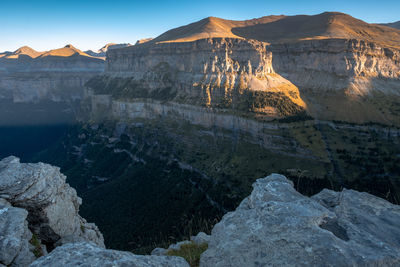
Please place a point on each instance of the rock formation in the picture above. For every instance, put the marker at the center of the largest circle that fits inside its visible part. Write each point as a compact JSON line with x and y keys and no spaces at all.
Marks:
{"x":231,"y":74}
{"x":31,"y":82}
{"x":39,"y":213}
{"x":15,"y":248}
{"x":199,"y":239}
{"x":265,"y":68}
{"x":36,"y":196}
{"x":277,"y":226}
{"x":103,"y":51}
{"x":86,"y":254}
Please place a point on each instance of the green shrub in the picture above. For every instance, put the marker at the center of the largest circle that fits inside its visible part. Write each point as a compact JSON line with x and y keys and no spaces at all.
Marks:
{"x":37,"y":251}
{"x":190,"y":252}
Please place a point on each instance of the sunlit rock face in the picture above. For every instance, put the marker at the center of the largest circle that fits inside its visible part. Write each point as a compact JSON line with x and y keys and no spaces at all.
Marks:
{"x":338,"y":64}
{"x":232,"y":74}
{"x":343,"y":79}
{"x":330,"y":79}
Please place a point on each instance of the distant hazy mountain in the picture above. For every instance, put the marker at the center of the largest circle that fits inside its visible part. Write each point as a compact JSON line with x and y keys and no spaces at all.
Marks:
{"x":66,"y":51}
{"x":23,"y":51}
{"x":102,"y":51}
{"x":395,"y":25}
{"x":144,"y":40}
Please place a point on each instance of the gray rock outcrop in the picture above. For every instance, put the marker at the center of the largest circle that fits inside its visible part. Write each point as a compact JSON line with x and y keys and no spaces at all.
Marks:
{"x":200,"y":238}
{"x":274,"y":226}
{"x":277,"y":226}
{"x":85,"y":254}
{"x":15,"y":249}
{"x":37,"y":196}
{"x":38,"y":207}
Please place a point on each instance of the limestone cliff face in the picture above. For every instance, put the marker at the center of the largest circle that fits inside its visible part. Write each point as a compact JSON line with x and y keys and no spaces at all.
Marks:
{"x":340,"y":79}
{"x":30,"y":87}
{"x":339,"y":64}
{"x":261,"y":133}
{"x":332,"y":79}
{"x":232,"y":74}
{"x":55,"y":78}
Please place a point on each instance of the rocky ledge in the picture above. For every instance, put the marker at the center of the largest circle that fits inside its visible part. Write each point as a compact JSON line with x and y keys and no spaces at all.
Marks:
{"x":38,"y":211}
{"x":85,"y":254}
{"x":274,"y":226}
{"x":277,"y":226}
{"x":39,"y":214}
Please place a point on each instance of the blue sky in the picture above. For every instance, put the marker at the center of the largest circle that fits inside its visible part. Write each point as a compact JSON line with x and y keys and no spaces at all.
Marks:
{"x":45,"y":25}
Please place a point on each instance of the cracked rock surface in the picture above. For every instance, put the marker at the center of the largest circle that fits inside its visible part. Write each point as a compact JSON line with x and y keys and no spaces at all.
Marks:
{"x":85,"y":254}
{"x":14,"y":236}
{"x":34,"y":198}
{"x":277,"y":226}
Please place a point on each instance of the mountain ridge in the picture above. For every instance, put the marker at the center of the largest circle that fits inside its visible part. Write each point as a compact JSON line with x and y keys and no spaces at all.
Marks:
{"x":281,"y":28}
{"x":102,"y":51}
{"x":395,"y":25}
{"x":63,"y":52}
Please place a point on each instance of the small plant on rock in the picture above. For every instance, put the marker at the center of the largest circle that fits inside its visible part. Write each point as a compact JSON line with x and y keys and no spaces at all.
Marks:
{"x":190,"y":252}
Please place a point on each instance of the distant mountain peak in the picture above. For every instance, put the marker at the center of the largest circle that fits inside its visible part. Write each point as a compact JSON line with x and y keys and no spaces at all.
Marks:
{"x":25,"y":50}
{"x":66,"y":51}
{"x":284,"y":29}
{"x":70,"y":46}
{"x":102,"y":51}
{"x":144,"y":40}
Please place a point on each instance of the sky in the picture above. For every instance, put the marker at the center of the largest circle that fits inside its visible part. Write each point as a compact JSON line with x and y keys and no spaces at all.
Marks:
{"x":45,"y":25}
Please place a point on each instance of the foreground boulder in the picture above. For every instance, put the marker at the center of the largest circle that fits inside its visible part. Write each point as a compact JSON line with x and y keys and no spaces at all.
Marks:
{"x":85,"y":254}
{"x":274,"y":226}
{"x":37,"y":208}
{"x":15,"y":249}
{"x":277,"y":226}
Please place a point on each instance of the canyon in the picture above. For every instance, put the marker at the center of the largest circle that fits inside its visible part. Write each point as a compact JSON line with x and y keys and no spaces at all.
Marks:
{"x":171,"y":133}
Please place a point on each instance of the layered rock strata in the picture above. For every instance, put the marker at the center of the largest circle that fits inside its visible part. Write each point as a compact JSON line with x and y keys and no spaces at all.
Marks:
{"x":332,"y":79}
{"x":231,"y":74}
{"x":35,"y":85}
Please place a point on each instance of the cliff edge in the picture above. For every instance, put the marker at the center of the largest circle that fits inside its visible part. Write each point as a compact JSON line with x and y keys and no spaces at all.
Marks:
{"x":38,"y":211}
{"x":275,"y":225}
